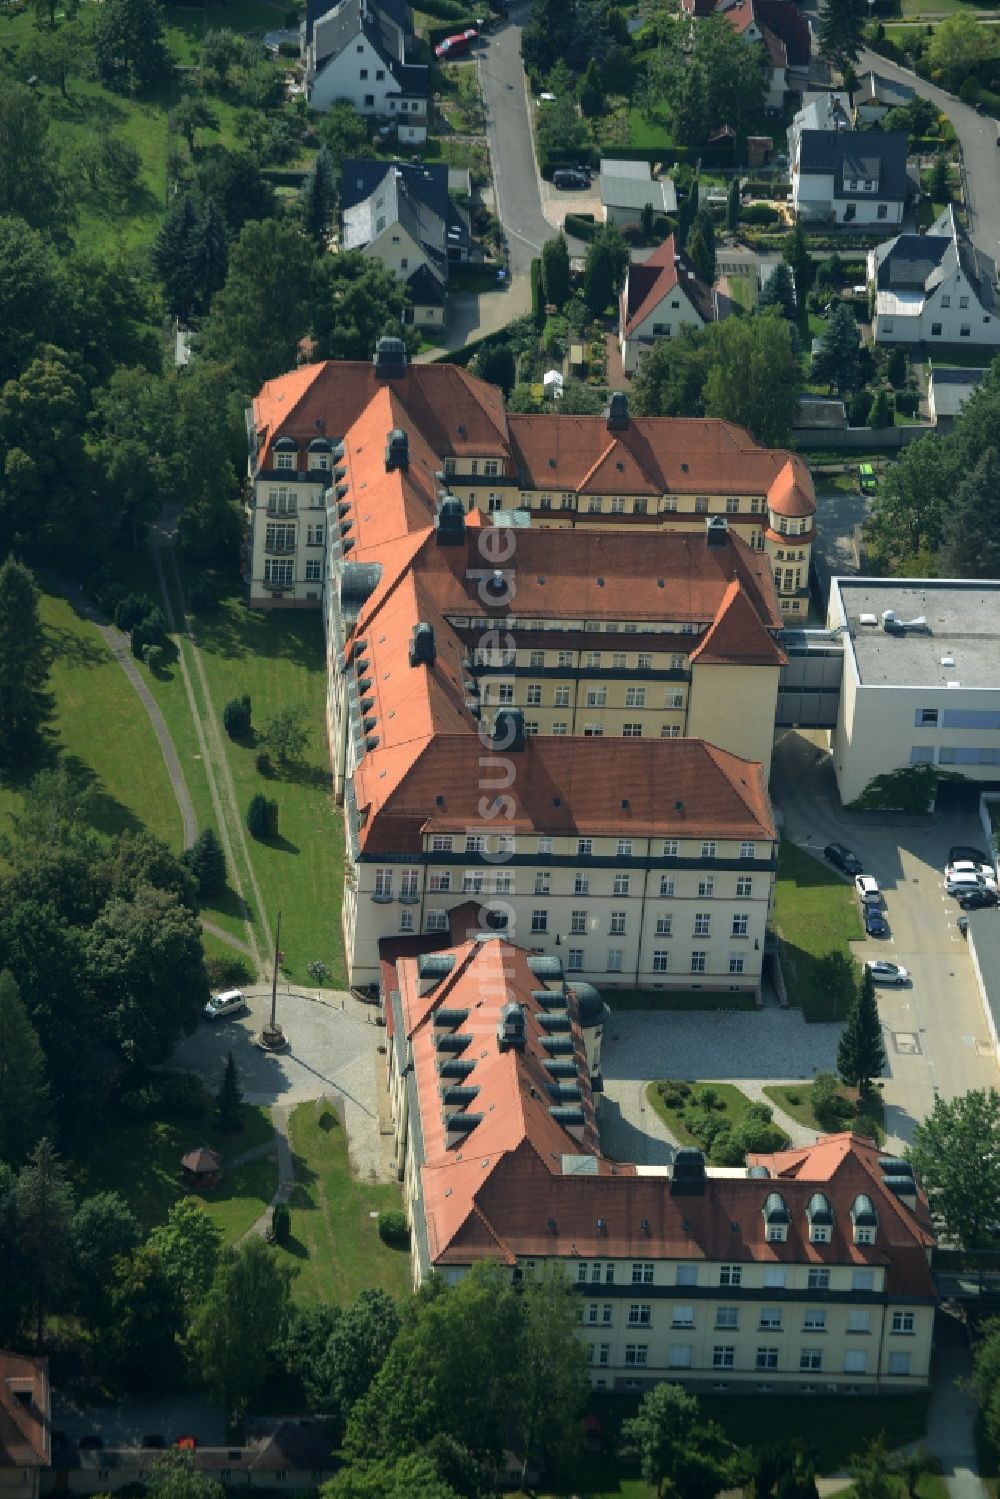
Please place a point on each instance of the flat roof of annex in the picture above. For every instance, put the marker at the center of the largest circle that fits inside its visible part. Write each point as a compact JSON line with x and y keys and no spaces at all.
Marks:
{"x":958,"y":645}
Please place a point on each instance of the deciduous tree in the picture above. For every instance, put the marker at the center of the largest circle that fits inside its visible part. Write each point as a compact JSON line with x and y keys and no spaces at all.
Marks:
{"x":44,"y":1202}
{"x":285,"y":734}
{"x":102,"y":1230}
{"x":25,"y":704}
{"x":188,"y":1245}
{"x":265,"y":308}
{"x":956,"y":1155}
{"x":671,"y":377}
{"x":191,"y":114}
{"x":958,"y":44}
{"x":129,"y":46}
{"x":795,"y":253}
{"x":143,"y":1344}
{"x":971,"y":541}
{"x":33,"y":183}
{"x":241,"y":1319}
{"x":357,"y":300}
{"x":604,"y":269}
{"x":24,"y":1096}
{"x":754,"y":379}
{"x":555,"y":270}
{"x":678,"y":1451}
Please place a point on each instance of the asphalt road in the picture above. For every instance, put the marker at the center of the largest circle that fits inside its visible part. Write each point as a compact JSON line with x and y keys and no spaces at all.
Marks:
{"x":508,"y":131}
{"x":977,"y":135}
{"x":935,"y":1031}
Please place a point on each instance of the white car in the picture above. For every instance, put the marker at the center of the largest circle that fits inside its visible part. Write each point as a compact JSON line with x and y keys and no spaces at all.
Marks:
{"x":868,"y":892}
{"x":230,"y":1002}
{"x":966,"y":868}
{"x":887,"y":973}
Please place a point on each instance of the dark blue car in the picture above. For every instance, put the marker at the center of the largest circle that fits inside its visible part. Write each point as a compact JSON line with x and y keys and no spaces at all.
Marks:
{"x":875,"y":923}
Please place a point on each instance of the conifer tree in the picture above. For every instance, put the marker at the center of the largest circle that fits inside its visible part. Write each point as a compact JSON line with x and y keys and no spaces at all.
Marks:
{"x":175,"y":255}
{"x":25,"y":705}
{"x":319,"y":198}
{"x":44,"y":1202}
{"x":23,"y":1090}
{"x":229,"y":1099}
{"x":861,"y":1053}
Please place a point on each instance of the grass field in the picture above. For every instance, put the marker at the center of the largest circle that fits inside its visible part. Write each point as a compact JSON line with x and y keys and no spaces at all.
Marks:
{"x":141,"y":1160}
{"x":335,"y":1242}
{"x":101,"y":730}
{"x":795,"y":1099}
{"x":814,"y":913}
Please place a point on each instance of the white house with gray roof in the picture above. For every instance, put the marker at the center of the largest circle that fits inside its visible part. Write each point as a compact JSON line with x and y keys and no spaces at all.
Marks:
{"x":358,"y":50}
{"x":934,"y":288}
{"x":845,"y":176}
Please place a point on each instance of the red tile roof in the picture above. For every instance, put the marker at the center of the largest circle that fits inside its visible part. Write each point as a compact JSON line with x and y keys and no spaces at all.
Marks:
{"x":24,"y":1427}
{"x":791,"y":494}
{"x":737,"y":637}
{"x":512,"y":1186}
{"x":661,"y":788}
{"x":649,"y":281}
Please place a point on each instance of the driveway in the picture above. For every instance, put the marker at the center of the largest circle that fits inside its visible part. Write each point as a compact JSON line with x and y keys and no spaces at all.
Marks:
{"x":837,"y":516}
{"x":935,"y":1033}
{"x":977,"y":136}
{"x":332,"y":1049}
{"x":508,"y":132}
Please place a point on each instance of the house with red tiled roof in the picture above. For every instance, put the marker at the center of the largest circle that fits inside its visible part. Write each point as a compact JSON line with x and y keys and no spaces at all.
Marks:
{"x":25,"y":1421}
{"x":804,"y":1270}
{"x":661,"y":295}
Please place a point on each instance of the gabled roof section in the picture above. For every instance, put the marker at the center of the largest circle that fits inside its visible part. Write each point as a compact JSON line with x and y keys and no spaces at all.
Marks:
{"x":737,"y":637}
{"x":428,"y":182}
{"x":650,"y":281}
{"x":868,"y":154}
{"x":792,"y":493}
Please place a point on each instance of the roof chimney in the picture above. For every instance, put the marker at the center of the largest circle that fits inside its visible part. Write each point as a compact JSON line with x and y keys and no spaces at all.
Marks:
{"x":397,"y":451}
{"x":616,"y":414}
{"x":389,"y":359}
{"x":716,"y":531}
{"x":449,"y":523}
{"x":422,"y":647}
{"x":508,"y":730}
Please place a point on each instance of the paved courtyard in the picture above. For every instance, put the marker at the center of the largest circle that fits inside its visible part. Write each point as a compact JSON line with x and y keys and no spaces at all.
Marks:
{"x":332,"y":1049}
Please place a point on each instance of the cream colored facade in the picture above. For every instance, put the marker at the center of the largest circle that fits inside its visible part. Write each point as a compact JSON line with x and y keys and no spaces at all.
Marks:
{"x":923,"y":698}
{"x":286,"y":531}
{"x":631,"y":912}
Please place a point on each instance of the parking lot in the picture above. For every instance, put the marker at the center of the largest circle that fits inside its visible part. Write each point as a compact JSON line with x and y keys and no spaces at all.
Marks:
{"x":936,"y":1038}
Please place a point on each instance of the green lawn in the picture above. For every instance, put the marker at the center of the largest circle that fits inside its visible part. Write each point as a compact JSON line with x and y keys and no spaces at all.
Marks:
{"x":814,"y":913}
{"x":102,"y":730}
{"x":335,"y":1242}
{"x":931,"y":1486}
{"x":140,"y":1158}
{"x":795,"y":1099}
{"x":675,"y":999}
{"x":649,"y":134}
{"x":731,"y":1106}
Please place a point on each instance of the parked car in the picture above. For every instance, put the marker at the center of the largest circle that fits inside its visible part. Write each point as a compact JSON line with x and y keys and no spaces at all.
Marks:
{"x":229,"y":1002}
{"x":456,"y":45}
{"x":887,"y":973}
{"x":966,"y":868}
{"x":842,"y":858}
{"x":875,"y":923}
{"x":868,"y":892}
{"x":572,"y":178}
{"x":978,"y":900}
{"x":962,"y":851}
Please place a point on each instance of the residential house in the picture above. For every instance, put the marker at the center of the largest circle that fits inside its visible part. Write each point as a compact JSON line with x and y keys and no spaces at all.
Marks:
{"x":948,"y":389}
{"x":359,"y":50}
{"x":920,"y":683}
{"x":845,"y":176}
{"x":628,"y":188}
{"x":874,"y":96}
{"x":584,"y":473}
{"x":805,"y":1270}
{"x":401,"y":214}
{"x":25,"y":1425}
{"x":934,"y":288}
{"x":287,"y":1453}
{"x":661,"y":295}
{"x":780,"y":28}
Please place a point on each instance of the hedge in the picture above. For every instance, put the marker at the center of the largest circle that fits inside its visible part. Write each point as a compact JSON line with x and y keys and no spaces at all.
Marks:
{"x":720,"y":153}
{"x":579,"y":226}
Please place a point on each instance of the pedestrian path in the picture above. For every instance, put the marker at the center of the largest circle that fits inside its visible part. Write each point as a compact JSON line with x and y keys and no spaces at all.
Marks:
{"x":286,"y":1172}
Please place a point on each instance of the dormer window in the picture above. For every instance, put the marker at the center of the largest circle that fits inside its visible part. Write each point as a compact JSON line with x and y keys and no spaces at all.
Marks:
{"x":865,"y":1219}
{"x":819,"y":1216}
{"x":776,"y":1219}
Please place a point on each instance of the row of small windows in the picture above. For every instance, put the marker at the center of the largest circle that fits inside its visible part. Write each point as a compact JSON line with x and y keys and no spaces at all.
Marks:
{"x":279,"y":572}
{"x":727,"y":1318}
{"x":681,"y":1356}
{"x":642,"y":1272}
{"x":588,"y":660}
{"x":945,"y":754}
{"x":560,"y":729}
{"x":440,"y":881}
{"x":505,"y":843}
{"x":596,"y":697}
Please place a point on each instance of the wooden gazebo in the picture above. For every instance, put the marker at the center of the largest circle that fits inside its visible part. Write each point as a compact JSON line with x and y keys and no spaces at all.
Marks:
{"x":202,"y":1168}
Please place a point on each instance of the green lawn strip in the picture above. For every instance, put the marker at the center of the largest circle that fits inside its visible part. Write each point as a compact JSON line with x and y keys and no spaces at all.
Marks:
{"x":279,"y":658}
{"x":815,"y":912}
{"x":242,"y":1196}
{"x":335,"y":1241}
{"x":733,"y":1107}
{"x":795,"y":1100}
{"x":675,"y":999}
{"x":930,"y":1486}
{"x":103,"y":729}
{"x":222,"y":952}
{"x":141,"y":1159}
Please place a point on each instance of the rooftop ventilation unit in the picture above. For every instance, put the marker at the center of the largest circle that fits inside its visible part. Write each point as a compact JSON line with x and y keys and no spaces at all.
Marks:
{"x":389,"y":359}
{"x":892,"y":625}
{"x":422,"y":648}
{"x":397,"y":451}
{"x":867,"y":619}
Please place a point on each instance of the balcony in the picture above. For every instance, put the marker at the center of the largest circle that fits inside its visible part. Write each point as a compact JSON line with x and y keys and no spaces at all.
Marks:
{"x":280,"y":549}
{"x":282,"y":512}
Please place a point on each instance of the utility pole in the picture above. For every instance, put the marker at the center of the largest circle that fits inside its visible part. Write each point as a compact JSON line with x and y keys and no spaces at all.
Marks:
{"x":272,"y":1037}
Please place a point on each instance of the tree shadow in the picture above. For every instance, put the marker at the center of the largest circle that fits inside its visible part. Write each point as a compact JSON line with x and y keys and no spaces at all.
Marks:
{"x":225,"y":902}
{"x":295,"y":773}
{"x":280,"y":844}
{"x":76,"y":650}
{"x":295,"y":1248}
{"x":105,"y":813}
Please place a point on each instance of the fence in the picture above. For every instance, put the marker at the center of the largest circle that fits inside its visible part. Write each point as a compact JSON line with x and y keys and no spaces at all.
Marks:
{"x":861,"y":439}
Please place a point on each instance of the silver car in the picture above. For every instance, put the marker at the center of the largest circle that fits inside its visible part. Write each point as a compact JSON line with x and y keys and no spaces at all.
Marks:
{"x":887,"y":973}
{"x":230,"y":1002}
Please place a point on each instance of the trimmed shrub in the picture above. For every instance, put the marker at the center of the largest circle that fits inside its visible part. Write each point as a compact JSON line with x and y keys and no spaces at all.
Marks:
{"x":674,"y":1094}
{"x":580,"y":226}
{"x":827,"y":1104}
{"x":228,"y":972}
{"x":262,"y":817}
{"x":858,"y":407}
{"x":760,"y":214}
{"x":392,"y":1228}
{"x":152,"y":657}
{"x":709,"y":1098}
{"x":907,"y":402}
{"x":881,"y":411}
{"x":236,"y":717}
{"x":264,"y":766}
